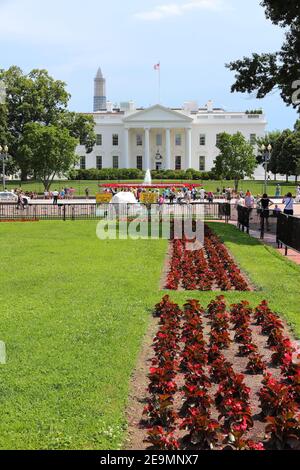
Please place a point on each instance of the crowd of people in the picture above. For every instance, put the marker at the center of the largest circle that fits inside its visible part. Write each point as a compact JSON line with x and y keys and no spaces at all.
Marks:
{"x":184,"y":195}
{"x":61,"y":194}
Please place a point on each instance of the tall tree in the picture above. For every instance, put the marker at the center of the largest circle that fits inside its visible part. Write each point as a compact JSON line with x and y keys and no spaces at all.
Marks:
{"x":236,"y":159}
{"x":49,"y":149}
{"x":290,"y":156}
{"x":38,"y":98}
{"x":265,"y":72}
{"x":271,"y":138}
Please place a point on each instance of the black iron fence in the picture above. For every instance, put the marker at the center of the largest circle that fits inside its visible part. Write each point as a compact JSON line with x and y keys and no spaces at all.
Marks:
{"x":257,"y":219}
{"x":83,"y":211}
{"x":288,"y":232}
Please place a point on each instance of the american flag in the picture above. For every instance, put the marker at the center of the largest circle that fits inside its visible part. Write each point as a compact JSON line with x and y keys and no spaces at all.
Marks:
{"x":157,"y":66}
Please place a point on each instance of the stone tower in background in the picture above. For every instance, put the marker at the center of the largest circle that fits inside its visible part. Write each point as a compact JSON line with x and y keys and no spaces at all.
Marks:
{"x":99,"y":92}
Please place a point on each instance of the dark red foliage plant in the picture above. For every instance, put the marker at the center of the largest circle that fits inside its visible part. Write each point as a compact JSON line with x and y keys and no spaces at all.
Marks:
{"x":256,"y":364}
{"x":203,"y":431}
{"x":161,"y":439}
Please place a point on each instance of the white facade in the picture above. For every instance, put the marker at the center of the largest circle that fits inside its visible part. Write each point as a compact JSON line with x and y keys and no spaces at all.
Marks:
{"x":160,"y":137}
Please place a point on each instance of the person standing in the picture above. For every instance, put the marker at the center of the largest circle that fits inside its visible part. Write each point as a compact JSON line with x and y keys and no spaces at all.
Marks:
{"x":87,"y":193}
{"x":249,"y":202}
{"x":210,"y":197}
{"x":55,"y":195}
{"x":289,"y":204}
{"x":265,"y":204}
{"x":278,"y":191}
{"x":298,"y":194}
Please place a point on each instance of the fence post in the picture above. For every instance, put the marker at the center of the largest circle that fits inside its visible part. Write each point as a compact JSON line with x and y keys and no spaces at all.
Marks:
{"x":73,"y":212}
{"x":64,"y":212}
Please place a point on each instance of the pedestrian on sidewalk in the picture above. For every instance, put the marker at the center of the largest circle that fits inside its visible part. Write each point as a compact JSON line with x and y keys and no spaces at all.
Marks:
{"x":265,"y":204}
{"x":289,"y":204}
{"x":55,"y":195}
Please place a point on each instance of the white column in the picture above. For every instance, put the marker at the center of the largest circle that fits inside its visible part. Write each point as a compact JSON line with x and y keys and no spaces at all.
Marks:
{"x":147,"y":149}
{"x":126,"y":148}
{"x":188,"y":151}
{"x":168,"y":149}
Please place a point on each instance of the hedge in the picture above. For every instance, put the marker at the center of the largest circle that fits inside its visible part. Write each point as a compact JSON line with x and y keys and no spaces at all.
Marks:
{"x":134,"y":174}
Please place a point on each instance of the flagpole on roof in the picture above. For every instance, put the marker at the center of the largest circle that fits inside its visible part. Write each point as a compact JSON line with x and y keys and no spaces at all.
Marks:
{"x":157,"y":68}
{"x":159,"y":84}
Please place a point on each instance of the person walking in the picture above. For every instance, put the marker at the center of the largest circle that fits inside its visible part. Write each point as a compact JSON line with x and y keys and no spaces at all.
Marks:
{"x":20,"y":203}
{"x":289,"y":204}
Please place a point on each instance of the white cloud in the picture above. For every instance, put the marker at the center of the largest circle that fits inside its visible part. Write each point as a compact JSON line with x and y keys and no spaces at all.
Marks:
{"x":178,"y":9}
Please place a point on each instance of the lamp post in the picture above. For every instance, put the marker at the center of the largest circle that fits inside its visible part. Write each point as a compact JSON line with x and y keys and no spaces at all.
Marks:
{"x":3,"y":156}
{"x":267,"y":158}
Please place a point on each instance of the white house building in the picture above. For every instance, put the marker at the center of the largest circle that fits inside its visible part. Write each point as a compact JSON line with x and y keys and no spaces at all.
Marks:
{"x":162,"y":138}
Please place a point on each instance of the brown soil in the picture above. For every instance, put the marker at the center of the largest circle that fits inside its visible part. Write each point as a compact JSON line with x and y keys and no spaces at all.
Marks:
{"x":137,"y":431}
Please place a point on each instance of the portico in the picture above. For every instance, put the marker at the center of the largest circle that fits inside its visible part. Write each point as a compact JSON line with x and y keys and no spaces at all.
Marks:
{"x":160,"y":136}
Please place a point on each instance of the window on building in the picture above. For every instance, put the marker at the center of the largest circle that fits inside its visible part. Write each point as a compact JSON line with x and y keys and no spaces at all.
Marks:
{"x":139,"y":140}
{"x":99,"y":139}
{"x":178,"y":140}
{"x":218,"y":139}
{"x":202,"y":139}
{"x":82,"y":163}
{"x":178,"y":163}
{"x":202,"y":163}
{"x":158,"y":140}
{"x":99,"y":163}
{"x":139,"y":162}
{"x":115,"y":162}
{"x":115,"y":140}
{"x":253,"y":139}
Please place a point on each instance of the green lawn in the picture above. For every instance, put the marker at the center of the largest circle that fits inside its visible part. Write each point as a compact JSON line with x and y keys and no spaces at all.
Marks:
{"x":256,"y":187}
{"x":74,"y":311}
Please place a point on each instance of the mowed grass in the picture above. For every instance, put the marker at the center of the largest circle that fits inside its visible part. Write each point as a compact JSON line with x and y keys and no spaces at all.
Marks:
{"x":256,"y":187}
{"x":275,"y":278}
{"x":74,"y":310}
{"x":73,"y":313}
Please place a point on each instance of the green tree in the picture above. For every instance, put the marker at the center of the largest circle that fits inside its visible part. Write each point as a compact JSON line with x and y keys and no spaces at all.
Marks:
{"x":263,"y":73}
{"x":271,"y":138}
{"x":290,"y":156}
{"x":38,"y":98}
{"x":50,"y":151}
{"x":236,"y":159}
{"x":82,"y":127}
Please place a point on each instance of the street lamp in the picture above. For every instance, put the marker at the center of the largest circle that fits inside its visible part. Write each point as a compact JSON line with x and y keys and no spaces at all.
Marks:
{"x":4,"y":157}
{"x":267,"y":158}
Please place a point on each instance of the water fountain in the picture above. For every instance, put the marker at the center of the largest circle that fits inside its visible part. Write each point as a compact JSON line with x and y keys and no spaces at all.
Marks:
{"x":148,"y":178}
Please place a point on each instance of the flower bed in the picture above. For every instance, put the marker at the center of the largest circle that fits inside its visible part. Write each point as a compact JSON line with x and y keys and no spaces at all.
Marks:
{"x":206,"y":269}
{"x":215,"y":381}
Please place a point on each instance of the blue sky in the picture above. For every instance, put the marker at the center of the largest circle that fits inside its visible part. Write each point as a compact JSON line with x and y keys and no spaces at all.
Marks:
{"x":192,"y":39}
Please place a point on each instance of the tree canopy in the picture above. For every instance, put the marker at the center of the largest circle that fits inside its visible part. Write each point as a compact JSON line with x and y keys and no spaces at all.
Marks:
{"x":236,"y":159}
{"x":37,"y":98}
{"x":262,"y":73}
{"x":50,"y":149}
